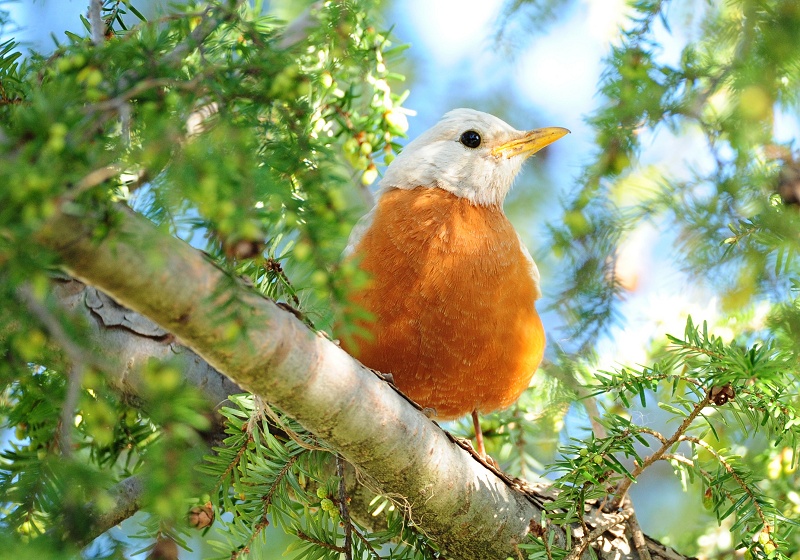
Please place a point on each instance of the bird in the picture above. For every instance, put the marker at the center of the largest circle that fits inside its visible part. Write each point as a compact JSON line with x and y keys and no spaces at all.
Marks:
{"x":449,"y":304}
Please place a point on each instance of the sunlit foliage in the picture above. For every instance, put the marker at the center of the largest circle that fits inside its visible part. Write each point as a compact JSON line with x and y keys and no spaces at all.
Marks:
{"x":255,"y":140}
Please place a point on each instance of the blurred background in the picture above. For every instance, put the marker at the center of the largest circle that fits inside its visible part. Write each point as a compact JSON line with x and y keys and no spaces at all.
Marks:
{"x":533,"y":67}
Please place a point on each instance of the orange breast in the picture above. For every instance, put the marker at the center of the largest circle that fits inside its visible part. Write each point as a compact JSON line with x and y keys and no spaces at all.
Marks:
{"x":452,"y":297}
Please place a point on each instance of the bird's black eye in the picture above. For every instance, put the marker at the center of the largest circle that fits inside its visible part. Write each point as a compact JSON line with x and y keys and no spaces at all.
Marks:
{"x":471,"y":139}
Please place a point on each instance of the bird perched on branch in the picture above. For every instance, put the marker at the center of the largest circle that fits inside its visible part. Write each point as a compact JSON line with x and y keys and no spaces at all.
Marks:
{"x":451,"y":287}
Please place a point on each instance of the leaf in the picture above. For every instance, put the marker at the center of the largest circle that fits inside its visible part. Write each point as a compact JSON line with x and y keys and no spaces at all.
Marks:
{"x":134,"y":11}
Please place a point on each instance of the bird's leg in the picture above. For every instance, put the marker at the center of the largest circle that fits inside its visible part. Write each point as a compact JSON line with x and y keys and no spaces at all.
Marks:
{"x":478,"y":434}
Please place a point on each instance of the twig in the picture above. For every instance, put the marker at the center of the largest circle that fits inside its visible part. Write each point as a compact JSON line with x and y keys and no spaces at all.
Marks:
{"x":96,"y":177}
{"x":200,"y":33}
{"x":289,"y":432}
{"x":590,"y":404}
{"x":74,"y":381}
{"x":98,"y":27}
{"x":127,"y":500}
{"x":678,"y":459}
{"x":731,"y":471}
{"x":142,"y":86}
{"x":266,"y":501}
{"x":76,"y":355}
{"x":698,"y":350}
{"x":343,"y":511}
{"x":638,"y":536}
{"x":274,"y":265}
{"x":616,"y":518}
{"x":233,"y":464}
{"x":366,"y":543}
{"x":626,"y":482}
{"x":302,"y":536}
{"x":658,"y":435}
{"x":705,"y":474}
{"x":546,"y":542}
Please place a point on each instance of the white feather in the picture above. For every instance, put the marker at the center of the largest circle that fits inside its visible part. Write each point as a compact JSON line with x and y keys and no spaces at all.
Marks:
{"x":437,"y":158}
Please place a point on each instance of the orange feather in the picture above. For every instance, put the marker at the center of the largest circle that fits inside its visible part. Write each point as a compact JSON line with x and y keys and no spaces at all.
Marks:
{"x":452,"y":294}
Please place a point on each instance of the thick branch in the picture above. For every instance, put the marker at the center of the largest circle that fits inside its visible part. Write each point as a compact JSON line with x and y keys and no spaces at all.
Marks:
{"x":123,"y":341}
{"x":468,"y":509}
{"x":126,"y":495}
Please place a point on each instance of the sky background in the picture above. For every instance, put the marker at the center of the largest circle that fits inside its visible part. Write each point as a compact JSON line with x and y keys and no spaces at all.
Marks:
{"x":533,"y":75}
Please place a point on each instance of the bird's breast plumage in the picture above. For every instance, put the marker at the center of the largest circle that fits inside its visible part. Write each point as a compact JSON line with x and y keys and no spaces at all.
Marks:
{"x":451,"y":294}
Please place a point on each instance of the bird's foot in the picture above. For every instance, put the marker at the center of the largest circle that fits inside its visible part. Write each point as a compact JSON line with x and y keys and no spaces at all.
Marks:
{"x":489,"y":460}
{"x":482,"y":457}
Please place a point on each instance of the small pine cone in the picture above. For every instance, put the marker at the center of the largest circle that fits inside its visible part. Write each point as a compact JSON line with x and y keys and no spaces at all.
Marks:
{"x":201,"y":517}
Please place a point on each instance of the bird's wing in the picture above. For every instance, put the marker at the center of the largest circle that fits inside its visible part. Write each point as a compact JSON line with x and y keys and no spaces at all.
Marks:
{"x":534,"y":270}
{"x":362,"y":225}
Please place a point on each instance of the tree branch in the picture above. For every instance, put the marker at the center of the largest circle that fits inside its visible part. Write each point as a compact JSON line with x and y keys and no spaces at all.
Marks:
{"x":471,"y":511}
{"x":127,"y":500}
{"x":96,"y":21}
{"x":622,"y":488}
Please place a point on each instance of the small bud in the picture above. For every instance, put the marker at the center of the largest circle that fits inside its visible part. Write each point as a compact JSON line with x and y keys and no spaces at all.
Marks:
{"x":319,"y":278}
{"x":94,"y":78}
{"x":164,"y":549}
{"x":396,"y":121}
{"x":302,"y":251}
{"x":369,"y":175}
{"x":708,"y":500}
{"x":720,"y":395}
{"x":303,"y":88}
{"x":64,"y":64}
{"x":350,"y":145}
{"x":201,"y":517}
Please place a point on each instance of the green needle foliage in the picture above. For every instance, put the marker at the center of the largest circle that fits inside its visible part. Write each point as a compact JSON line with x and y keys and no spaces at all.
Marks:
{"x":226,"y":128}
{"x":255,"y":140}
{"x":733,"y":223}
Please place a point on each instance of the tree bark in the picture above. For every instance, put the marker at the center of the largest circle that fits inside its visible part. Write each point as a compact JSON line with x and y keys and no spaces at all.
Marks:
{"x":470,"y":510}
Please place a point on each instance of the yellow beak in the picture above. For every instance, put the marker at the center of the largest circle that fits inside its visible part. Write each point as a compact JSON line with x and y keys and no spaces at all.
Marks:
{"x":530,"y":142}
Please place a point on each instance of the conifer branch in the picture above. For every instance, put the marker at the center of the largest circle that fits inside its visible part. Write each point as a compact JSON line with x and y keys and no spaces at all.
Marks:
{"x":733,"y":474}
{"x":301,"y":535}
{"x":77,"y":368}
{"x":625,"y":483}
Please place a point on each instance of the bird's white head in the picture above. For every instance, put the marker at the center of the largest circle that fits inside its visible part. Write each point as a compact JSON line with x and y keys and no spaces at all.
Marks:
{"x":472,"y":154}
